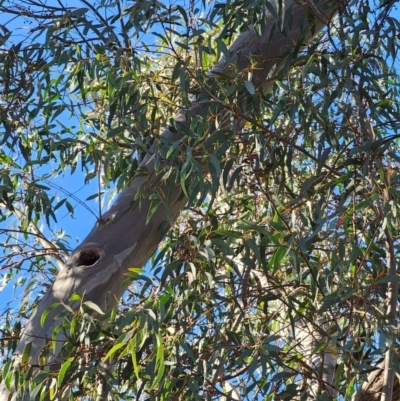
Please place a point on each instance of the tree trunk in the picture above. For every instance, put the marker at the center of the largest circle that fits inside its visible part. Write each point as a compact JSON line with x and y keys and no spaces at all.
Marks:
{"x":371,"y":390}
{"x":122,"y":238}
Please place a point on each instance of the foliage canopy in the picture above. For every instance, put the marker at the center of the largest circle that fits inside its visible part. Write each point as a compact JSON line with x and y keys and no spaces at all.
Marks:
{"x":291,"y":229}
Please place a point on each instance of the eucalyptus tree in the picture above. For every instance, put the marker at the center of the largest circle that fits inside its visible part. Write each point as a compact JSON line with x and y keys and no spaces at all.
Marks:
{"x":266,"y":208}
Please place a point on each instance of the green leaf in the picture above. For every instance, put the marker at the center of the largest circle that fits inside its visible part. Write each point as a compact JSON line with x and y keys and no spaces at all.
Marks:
{"x":70,"y":208}
{"x":26,"y":353}
{"x":308,"y":183}
{"x":367,"y":202}
{"x":250,"y":87}
{"x":136,"y":369}
{"x":63,"y":370}
{"x":7,"y":370}
{"x":282,"y":376}
{"x":79,"y":12}
{"x":389,"y":279}
{"x":94,"y":307}
{"x":113,"y":350}
{"x":46,"y":313}
{"x":321,"y":346}
{"x":272,"y":10}
{"x":229,"y":233}
{"x":75,"y":297}
{"x":33,"y":394}
{"x":94,"y":196}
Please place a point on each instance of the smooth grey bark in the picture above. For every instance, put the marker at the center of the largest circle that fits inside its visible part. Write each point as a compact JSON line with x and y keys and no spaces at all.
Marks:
{"x":371,"y":389}
{"x":322,"y":364}
{"x":381,"y":384}
{"x":392,"y":295}
{"x":123,"y":238}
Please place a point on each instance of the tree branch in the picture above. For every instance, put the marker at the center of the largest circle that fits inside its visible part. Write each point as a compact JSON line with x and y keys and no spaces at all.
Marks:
{"x":124,"y":238}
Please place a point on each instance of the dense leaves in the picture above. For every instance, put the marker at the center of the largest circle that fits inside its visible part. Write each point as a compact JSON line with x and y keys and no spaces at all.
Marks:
{"x":287,"y":250}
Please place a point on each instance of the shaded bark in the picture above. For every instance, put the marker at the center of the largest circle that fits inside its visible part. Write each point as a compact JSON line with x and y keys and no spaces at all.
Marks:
{"x":371,"y":390}
{"x":382,"y":384}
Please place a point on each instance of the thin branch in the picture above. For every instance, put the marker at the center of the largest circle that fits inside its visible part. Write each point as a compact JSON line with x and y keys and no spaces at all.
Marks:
{"x":46,"y":243}
{"x":392,"y":291}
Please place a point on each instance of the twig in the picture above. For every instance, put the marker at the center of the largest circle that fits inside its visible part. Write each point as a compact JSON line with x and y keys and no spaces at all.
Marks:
{"x":42,"y":239}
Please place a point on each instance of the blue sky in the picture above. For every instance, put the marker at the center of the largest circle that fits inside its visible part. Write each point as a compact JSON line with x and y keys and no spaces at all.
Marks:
{"x":79,"y":225}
